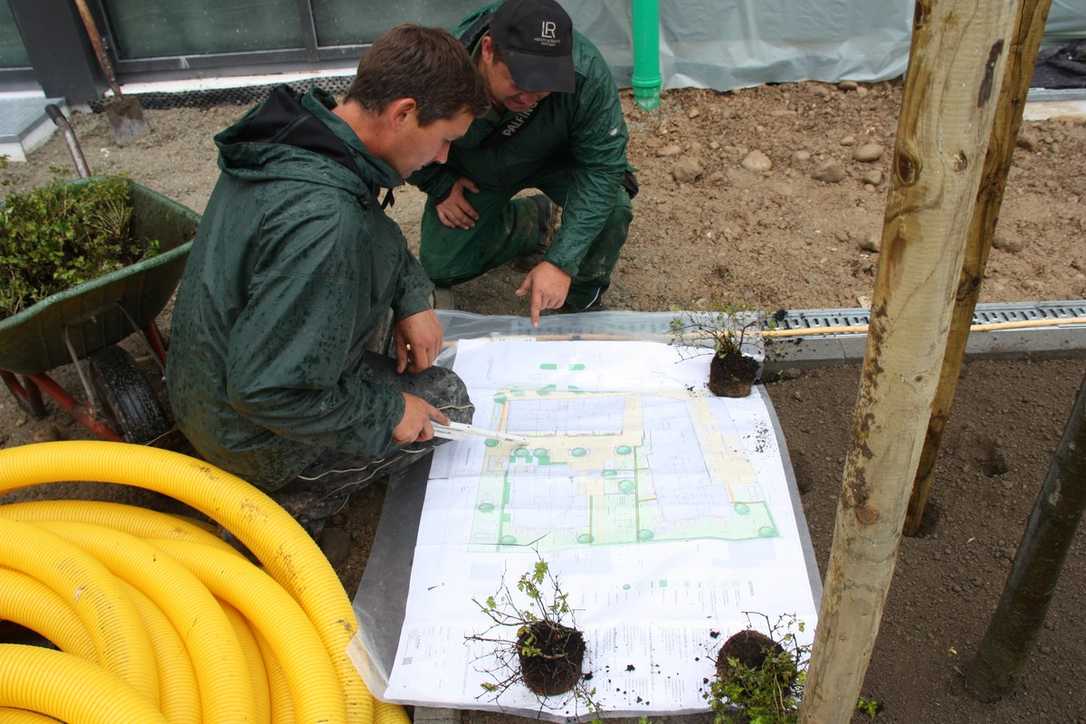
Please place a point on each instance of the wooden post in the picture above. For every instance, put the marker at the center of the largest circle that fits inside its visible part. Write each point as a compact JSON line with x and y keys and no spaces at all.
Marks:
{"x":1037,"y":565}
{"x":959,"y":50}
{"x":1008,"y":119}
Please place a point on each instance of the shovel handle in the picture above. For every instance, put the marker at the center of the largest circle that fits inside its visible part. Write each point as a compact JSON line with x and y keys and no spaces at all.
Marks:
{"x":99,"y":49}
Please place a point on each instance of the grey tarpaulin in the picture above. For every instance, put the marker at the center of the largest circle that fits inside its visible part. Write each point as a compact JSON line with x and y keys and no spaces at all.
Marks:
{"x":382,"y":592}
{"x":1066,"y":21}
{"x":726,"y":44}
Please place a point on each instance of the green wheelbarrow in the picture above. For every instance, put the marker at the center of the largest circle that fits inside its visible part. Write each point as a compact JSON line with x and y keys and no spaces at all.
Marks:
{"x":83,"y":324}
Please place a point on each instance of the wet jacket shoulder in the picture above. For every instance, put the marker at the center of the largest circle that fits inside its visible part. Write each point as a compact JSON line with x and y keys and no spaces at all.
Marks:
{"x":293,"y":264}
{"x":584,"y":130}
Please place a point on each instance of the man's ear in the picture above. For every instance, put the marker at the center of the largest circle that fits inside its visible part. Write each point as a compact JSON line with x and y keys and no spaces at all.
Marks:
{"x":486,"y":45}
{"x":400,"y":110}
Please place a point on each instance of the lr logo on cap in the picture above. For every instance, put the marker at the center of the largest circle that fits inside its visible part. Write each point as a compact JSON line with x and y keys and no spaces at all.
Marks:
{"x":549,"y":29}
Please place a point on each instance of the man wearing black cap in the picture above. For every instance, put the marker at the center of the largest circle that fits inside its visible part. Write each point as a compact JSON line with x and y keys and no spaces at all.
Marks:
{"x":555,"y":124}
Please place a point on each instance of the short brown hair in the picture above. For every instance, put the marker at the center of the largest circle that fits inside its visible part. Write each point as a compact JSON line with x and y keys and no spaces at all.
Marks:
{"x":426,"y":64}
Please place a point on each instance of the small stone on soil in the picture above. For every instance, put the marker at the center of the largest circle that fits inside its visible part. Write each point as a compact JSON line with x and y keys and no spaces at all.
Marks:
{"x":830,"y":172}
{"x":672,"y":149}
{"x":994,"y":459}
{"x":757,"y":161}
{"x":848,"y":141}
{"x":848,"y":85}
{"x":869,"y":243}
{"x":1028,"y":139}
{"x":694,"y":113}
{"x":1011,"y":246}
{"x":48,"y":434}
{"x":868,"y":152}
{"x":873,"y":177}
{"x":802,"y":156}
{"x":687,"y":169}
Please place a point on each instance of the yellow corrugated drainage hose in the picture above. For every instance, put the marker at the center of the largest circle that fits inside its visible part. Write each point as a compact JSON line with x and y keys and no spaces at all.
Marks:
{"x":130,"y":595}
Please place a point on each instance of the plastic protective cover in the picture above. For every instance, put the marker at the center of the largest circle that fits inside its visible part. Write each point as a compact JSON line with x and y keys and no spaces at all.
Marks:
{"x":726,"y":44}
{"x":382,"y":593}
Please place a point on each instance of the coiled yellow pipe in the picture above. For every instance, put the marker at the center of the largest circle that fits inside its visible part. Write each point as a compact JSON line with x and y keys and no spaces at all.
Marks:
{"x":218,"y":662}
{"x":282,"y":708}
{"x":258,"y":677}
{"x":312,"y":679}
{"x":268,"y":531}
{"x":34,"y":606}
{"x":140,"y":522}
{"x":69,"y":688}
{"x":22,"y":716}
{"x":178,"y":691}
{"x":121,"y":643}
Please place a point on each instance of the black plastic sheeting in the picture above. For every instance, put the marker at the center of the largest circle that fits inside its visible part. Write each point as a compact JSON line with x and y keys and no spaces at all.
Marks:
{"x":1062,"y":67}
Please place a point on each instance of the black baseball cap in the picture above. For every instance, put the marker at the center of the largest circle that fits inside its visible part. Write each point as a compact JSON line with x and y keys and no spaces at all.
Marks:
{"x":536,"y":41}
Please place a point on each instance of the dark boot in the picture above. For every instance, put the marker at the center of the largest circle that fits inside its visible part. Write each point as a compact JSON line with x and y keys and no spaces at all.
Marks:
{"x":546,"y":223}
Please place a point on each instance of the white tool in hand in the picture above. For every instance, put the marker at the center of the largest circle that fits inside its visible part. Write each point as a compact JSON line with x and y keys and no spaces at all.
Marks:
{"x":460,"y":431}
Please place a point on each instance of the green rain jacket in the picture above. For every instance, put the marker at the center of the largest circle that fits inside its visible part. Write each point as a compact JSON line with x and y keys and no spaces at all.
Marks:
{"x":292,"y":267}
{"x":583,"y":131}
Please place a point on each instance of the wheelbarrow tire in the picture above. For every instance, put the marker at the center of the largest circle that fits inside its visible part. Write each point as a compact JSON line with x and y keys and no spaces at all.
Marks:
{"x":126,"y":395}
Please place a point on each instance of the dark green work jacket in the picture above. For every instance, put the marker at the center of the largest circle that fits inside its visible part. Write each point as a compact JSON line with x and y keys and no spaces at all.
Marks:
{"x":292,"y":267}
{"x":583,"y":131}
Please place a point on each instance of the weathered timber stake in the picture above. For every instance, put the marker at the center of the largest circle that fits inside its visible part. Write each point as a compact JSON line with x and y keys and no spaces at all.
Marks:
{"x":1008,"y":119}
{"x":1051,"y":529}
{"x":955,"y":72}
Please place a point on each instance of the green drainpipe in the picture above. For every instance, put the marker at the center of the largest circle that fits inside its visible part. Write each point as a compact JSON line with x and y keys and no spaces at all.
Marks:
{"x":646,"y":53}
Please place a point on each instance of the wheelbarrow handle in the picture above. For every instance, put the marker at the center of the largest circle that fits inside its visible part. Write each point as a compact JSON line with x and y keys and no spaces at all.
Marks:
{"x":58,"y":117}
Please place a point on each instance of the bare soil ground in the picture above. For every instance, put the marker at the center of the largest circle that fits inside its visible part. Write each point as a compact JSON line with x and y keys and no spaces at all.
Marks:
{"x":708,"y":231}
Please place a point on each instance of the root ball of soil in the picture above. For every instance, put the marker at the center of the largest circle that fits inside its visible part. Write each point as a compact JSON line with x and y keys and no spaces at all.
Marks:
{"x":557,"y":668}
{"x":732,"y":375}
{"x":751,"y":649}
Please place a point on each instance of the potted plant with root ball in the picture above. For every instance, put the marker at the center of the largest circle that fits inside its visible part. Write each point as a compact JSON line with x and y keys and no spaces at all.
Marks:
{"x":731,"y":372}
{"x":535,"y":640}
{"x":760,"y":677}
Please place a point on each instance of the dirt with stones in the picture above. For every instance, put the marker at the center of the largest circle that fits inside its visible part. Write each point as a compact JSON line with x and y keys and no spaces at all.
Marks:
{"x":759,"y":195}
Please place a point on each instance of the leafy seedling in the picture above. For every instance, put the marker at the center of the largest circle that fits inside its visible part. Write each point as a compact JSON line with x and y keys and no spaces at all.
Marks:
{"x":731,"y":372}
{"x":760,"y":677}
{"x":534,"y":641}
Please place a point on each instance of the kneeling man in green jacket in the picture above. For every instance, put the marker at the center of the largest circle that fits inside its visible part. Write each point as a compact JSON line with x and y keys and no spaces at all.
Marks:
{"x":295,"y":263}
{"x":554,"y":124}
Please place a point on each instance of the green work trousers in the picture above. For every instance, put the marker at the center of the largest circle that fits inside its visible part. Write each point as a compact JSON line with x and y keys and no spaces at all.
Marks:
{"x":508,"y":228}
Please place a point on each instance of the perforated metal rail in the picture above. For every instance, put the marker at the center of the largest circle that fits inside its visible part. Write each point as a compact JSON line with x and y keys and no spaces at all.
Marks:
{"x":814,"y":349}
{"x":814,"y":319}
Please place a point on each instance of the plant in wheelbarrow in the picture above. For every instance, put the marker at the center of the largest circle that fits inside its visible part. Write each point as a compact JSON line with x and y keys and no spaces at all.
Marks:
{"x":80,"y":270}
{"x":731,"y":371}
{"x":60,"y":235}
{"x":533,"y":640}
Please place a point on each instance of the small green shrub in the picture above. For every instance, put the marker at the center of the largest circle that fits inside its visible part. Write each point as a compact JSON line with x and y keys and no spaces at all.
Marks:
{"x":769,"y":691}
{"x":57,"y":236}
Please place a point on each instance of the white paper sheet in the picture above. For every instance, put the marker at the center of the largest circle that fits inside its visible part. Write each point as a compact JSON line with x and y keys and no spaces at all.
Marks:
{"x":664,"y":511}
